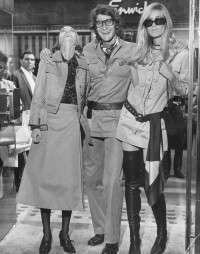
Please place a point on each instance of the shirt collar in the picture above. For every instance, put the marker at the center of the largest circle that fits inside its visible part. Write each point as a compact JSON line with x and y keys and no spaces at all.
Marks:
{"x":25,"y":71}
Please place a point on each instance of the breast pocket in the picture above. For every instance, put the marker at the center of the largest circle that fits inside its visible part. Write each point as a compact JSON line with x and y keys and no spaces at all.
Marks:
{"x":93,"y":67}
{"x":123,"y":67}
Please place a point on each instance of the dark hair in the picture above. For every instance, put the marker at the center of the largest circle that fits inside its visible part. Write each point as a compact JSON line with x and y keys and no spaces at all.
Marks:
{"x":3,"y":57}
{"x":109,"y":11}
{"x":26,"y":52}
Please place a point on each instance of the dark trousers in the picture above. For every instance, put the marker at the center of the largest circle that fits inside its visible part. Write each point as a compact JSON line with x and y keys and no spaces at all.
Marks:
{"x":19,"y":170}
{"x":175,"y":142}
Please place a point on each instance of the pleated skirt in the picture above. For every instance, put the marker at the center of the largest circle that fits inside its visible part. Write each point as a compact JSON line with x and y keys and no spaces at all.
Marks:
{"x":52,"y":176}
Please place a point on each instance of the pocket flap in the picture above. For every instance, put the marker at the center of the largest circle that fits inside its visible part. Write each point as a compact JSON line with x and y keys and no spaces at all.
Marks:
{"x":53,"y":69}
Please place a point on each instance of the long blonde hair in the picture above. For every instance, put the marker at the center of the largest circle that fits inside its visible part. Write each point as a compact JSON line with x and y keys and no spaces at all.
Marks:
{"x":145,"y":42}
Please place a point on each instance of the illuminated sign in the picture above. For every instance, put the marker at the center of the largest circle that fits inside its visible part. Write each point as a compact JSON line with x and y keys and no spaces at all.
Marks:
{"x":129,"y":10}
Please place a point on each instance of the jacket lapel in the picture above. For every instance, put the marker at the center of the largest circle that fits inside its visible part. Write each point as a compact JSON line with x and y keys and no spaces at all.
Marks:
{"x":26,"y":82}
{"x":100,"y":53}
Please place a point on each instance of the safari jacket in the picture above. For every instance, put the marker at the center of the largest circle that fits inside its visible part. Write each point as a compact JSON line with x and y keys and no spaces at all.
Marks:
{"x":49,"y":88}
{"x":109,"y":83}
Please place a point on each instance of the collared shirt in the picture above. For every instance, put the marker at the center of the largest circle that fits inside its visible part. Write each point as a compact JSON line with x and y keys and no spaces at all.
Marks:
{"x":109,"y":84}
{"x":29,"y":76}
{"x":150,"y":93}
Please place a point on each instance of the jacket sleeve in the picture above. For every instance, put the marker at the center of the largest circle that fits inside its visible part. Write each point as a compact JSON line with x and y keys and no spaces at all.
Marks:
{"x":180,"y":67}
{"x":15,"y":80}
{"x":38,"y":101}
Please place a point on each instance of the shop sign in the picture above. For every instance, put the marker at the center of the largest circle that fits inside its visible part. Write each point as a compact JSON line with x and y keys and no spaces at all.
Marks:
{"x":138,"y":8}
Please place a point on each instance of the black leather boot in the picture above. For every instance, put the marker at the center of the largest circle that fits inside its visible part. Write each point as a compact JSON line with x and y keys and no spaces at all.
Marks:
{"x":133,"y":203}
{"x":159,"y":211}
{"x":132,"y":165}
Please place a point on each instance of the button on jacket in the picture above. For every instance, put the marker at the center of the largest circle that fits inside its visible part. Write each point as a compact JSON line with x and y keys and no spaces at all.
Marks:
{"x":150,"y":95}
{"x":47,"y":97}
{"x":108,"y":84}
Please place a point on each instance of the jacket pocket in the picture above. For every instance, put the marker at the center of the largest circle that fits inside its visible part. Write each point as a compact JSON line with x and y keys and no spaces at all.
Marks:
{"x":93,"y":67}
{"x":53,"y":69}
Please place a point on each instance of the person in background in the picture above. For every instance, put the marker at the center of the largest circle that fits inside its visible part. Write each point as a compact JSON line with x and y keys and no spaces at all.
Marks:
{"x":4,"y":83}
{"x":141,"y":127}
{"x":176,"y":142}
{"x":24,"y":79}
{"x":52,"y":176}
{"x":10,"y":68}
{"x":8,"y":85}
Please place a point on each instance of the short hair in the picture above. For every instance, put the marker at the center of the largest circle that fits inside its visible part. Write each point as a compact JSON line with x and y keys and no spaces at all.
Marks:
{"x":105,"y":10}
{"x":26,"y":52}
{"x":3,"y":57}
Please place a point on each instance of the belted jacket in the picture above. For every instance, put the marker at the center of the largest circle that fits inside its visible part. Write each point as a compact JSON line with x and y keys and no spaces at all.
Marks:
{"x":49,"y":88}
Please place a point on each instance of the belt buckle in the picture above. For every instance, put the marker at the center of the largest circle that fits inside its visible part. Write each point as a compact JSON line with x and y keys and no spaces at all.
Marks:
{"x":139,"y":117}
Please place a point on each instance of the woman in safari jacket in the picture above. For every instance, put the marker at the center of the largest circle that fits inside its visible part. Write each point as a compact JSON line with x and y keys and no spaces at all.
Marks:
{"x":52,"y":177}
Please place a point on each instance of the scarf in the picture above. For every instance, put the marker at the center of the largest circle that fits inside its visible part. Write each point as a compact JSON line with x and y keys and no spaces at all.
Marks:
{"x":154,"y":176}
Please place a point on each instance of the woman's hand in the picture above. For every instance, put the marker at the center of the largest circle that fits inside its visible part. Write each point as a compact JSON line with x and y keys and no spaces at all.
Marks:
{"x":166,"y":71}
{"x":36,"y":135}
{"x":45,"y":55}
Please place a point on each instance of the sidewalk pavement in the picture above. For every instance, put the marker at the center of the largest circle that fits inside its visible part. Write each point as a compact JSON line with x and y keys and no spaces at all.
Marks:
{"x":25,"y":236}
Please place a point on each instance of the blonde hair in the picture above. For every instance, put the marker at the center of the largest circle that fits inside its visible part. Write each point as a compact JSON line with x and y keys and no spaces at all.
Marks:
{"x":145,"y":42}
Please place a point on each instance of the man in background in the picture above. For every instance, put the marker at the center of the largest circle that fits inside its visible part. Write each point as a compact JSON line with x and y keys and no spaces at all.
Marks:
{"x":24,"y":79}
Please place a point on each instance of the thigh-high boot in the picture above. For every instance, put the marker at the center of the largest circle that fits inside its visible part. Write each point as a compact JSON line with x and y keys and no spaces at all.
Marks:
{"x":132,"y":165}
{"x":159,"y":211}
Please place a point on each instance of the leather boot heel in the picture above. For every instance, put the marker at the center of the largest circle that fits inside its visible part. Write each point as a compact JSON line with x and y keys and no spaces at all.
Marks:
{"x":159,"y":245}
{"x":135,"y":242}
{"x":159,"y":211}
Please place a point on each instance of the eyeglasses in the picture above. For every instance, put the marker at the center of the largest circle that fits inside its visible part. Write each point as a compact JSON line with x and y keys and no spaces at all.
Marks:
{"x":157,"y":21}
{"x":107,"y":22}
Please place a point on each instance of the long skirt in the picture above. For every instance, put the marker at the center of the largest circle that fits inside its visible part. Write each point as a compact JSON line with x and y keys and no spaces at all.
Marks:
{"x":52,"y":176}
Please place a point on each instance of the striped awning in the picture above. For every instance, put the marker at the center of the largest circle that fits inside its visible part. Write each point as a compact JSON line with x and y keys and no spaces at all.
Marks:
{"x":36,"y":42}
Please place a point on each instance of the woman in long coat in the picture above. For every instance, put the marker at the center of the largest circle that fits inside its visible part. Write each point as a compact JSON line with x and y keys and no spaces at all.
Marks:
{"x":52,"y":177}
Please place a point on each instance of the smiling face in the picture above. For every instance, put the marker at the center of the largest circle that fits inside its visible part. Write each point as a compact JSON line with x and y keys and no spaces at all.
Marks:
{"x":67,"y":34}
{"x":155,"y":31}
{"x":106,"y":32}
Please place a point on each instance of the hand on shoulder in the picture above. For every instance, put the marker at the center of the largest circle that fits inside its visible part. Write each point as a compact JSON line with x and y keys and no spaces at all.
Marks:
{"x":45,"y":55}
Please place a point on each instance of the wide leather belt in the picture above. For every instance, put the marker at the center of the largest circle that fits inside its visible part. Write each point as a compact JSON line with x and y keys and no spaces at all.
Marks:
{"x":105,"y":106}
{"x":139,"y":117}
{"x":102,"y":106}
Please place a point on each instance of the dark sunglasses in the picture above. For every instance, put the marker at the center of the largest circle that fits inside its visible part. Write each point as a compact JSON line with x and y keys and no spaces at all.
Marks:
{"x":157,"y":21}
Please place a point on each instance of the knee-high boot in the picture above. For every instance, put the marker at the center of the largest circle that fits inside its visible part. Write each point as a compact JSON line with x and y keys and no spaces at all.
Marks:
{"x":131,"y":166}
{"x":159,"y":211}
